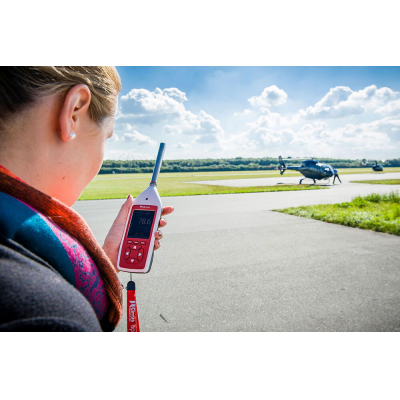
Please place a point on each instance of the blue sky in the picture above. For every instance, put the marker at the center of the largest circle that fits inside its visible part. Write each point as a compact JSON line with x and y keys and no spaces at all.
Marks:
{"x":213,"y":112}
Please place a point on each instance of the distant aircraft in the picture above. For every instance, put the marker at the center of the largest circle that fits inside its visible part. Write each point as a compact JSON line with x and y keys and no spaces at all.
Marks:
{"x":376,"y":167}
{"x":311,"y":169}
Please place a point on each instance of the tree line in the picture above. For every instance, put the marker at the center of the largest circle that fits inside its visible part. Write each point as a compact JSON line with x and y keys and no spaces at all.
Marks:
{"x":223,"y":164}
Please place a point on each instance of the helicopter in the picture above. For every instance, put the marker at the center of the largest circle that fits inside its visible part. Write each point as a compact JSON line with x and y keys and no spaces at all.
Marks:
{"x":311,"y":169}
{"x":376,"y":167}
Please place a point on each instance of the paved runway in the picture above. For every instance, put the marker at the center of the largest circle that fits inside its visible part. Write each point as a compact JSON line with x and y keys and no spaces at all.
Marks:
{"x":345,"y":178}
{"x":229,"y":263}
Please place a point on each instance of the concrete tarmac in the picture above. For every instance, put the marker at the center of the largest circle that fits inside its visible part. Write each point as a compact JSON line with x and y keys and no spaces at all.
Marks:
{"x":294,"y":180}
{"x":229,"y":263}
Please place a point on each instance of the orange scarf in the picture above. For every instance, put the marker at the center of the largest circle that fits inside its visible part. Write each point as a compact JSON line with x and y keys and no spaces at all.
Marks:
{"x":69,"y":220}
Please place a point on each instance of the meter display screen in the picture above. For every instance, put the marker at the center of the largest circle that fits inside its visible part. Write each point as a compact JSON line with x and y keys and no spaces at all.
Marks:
{"x":141,"y":224}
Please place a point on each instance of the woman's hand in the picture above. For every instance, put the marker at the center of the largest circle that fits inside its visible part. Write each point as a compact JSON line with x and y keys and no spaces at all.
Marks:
{"x":114,"y":236}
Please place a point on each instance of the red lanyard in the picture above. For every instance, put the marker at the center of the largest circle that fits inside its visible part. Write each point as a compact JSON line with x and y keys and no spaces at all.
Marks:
{"x":132,"y":316}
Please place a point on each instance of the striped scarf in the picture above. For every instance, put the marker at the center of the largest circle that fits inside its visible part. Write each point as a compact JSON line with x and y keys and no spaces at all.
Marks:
{"x":79,"y":258}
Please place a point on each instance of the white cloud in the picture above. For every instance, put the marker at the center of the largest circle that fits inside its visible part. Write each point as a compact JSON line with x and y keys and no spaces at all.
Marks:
{"x":317,"y":138}
{"x":125,"y":127}
{"x":355,"y":138}
{"x":138,"y":138}
{"x":145,"y":107}
{"x":243,"y":113}
{"x":269,"y":119}
{"x":271,"y":96}
{"x":206,"y":139}
{"x":265,"y":137}
{"x":181,"y":145}
{"x":341,"y":102}
{"x":175,"y":94}
{"x":193,"y":124}
{"x":149,"y":107}
{"x":270,"y":130}
{"x":202,"y":123}
{"x":391,"y":108}
{"x":126,"y":155}
{"x":170,"y":130}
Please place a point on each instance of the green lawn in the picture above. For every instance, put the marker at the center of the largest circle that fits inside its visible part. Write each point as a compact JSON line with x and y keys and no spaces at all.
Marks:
{"x":381,"y":182}
{"x":118,"y":186}
{"x":118,"y":190}
{"x":375,"y":212}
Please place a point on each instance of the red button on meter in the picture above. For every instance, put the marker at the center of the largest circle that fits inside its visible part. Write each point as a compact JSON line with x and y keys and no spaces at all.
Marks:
{"x":134,"y":253}
{"x":127,"y":252}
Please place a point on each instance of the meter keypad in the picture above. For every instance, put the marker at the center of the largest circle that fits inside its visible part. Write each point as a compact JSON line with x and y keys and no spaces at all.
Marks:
{"x":134,"y":252}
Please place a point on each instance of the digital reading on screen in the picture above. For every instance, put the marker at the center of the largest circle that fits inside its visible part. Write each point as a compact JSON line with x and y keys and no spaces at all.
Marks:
{"x":141,"y":223}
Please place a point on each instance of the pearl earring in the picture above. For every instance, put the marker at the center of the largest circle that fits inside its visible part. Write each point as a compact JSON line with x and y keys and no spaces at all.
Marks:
{"x":72,"y":135}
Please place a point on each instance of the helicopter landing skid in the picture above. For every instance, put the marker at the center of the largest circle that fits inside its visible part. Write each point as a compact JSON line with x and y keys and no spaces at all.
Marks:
{"x":327,"y":181}
{"x":301,"y":180}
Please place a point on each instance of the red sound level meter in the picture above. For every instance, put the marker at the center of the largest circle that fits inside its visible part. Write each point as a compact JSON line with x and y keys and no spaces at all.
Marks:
{"x":137,"y":246}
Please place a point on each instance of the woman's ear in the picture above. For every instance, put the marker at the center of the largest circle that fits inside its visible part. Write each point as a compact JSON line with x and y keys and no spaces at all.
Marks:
{"x":73,"y":110}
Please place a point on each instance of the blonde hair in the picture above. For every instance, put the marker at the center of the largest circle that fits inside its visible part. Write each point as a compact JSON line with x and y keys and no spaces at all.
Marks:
{"x":21,"y":87}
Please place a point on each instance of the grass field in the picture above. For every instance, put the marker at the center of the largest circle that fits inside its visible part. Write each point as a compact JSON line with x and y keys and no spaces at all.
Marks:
{"x":120,"y":190}
{"x":381,"y":182}
{"x":380,"y":213}
{"x":118,"y":186}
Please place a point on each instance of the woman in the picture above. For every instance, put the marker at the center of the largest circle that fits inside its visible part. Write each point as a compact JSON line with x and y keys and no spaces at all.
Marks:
{"x":54,"y":122}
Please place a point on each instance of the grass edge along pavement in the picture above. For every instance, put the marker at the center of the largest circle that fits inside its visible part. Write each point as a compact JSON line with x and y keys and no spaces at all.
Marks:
{"x":376,"y":212}
{"x":199,"y":190}
{"x":381,"y":182}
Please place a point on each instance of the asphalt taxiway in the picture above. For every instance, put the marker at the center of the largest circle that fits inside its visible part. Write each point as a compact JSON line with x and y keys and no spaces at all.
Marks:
{"x":229,"y":263}
{"x":294,"y":180}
